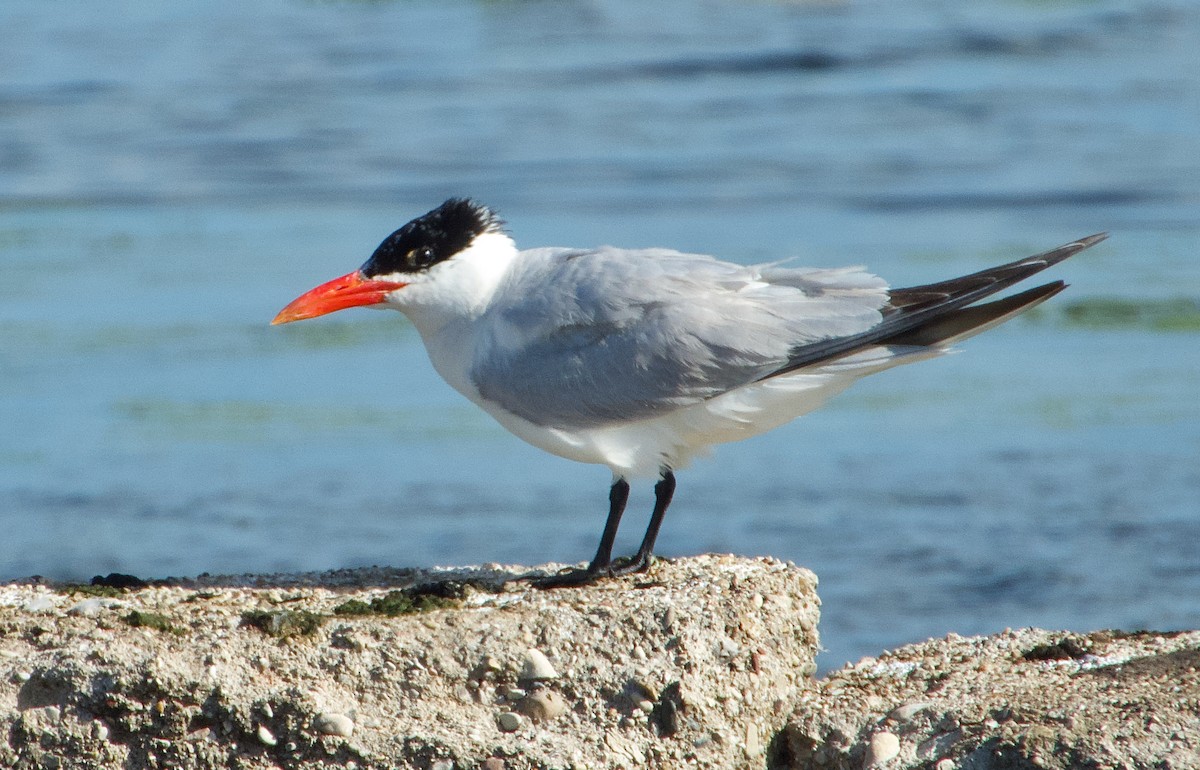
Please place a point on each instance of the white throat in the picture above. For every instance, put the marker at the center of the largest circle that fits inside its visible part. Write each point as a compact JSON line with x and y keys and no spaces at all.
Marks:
{"x":459,"y":288}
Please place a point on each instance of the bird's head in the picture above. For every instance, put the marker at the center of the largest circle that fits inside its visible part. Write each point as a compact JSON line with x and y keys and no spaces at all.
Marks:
{"x":411,"y":256}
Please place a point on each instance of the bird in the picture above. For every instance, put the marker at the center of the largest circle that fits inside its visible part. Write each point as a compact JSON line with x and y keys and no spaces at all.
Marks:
{"x":642,"y":359}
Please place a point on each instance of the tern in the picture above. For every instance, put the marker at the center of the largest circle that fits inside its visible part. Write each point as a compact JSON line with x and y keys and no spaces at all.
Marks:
{"x":641,"y":359}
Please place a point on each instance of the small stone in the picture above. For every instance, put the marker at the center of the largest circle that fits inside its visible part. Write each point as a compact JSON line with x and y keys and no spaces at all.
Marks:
{"x":536,"y":666}
{"x":488,"y":665}
{"x":514,"y":694}
{"x":99,"y":730}
{"x":753,"y":743}
{"x":42,"y":603}
{"x":328,"y":723}
{"x":638,"y":690}
{"x":442,"y":764}
{"x":21,"y":677}
{"x":906,"y":712}
{"x":493,"y":763}
{"x":646,"y":705}
{"x":883,"y":746}
{"x":510,"y":721}
{"x":542,"y":706}
{"x":945,"y":764}
{"x":90,"y":608}
{"x":265,"y":735}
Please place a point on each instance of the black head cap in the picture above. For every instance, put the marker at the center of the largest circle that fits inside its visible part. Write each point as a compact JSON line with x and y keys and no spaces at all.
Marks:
{"x":431,"y":238}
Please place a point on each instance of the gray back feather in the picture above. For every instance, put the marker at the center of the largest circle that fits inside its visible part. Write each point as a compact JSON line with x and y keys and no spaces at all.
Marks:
{"x":588,"y":337}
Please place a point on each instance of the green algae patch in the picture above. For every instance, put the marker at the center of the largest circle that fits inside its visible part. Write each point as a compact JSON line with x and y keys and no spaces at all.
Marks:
{"x":152,"y":620}
{"x":409,"y":601}
{"x":1177,"y":314}
{"x":393,"y":604}
{"x":261,"y":421}
{"x":110,"y":586}
{"x":283,"y":624}
{"x":104,"y":592}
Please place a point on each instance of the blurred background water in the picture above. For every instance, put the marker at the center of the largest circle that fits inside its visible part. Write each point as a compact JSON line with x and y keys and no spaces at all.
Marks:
{"x":171,"y":175}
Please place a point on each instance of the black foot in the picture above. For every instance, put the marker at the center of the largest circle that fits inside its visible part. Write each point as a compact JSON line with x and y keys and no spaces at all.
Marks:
{"x":630,"y":565}
{"x":589,"y":575}
{"x":568,"y":578}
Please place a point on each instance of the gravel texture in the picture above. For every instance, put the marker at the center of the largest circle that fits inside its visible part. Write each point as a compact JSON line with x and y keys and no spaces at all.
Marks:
{"x":696,"y":663}
{"x":702,"y":662}
{"x":1019,"y":700}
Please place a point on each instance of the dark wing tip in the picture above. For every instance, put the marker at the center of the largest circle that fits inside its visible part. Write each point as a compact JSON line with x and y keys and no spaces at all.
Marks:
{"x":910,"y":309}
{"x":1072,"y":248}
{"x":1055,"y":255}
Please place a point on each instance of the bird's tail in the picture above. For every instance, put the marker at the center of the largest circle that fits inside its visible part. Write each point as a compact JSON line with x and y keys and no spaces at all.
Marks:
{"x":936,"y":315}
{"x":958,"y":325}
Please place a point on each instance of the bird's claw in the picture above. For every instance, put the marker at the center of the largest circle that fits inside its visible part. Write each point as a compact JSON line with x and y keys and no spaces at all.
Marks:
{"x":593,"y":574}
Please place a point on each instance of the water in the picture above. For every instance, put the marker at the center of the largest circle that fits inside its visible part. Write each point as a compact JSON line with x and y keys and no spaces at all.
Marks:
{"x":171,"y":176}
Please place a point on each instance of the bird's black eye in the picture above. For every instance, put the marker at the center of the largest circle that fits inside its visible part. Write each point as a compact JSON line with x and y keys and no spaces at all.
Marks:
{"x":421,"y":257}
{"x":432,"y":238}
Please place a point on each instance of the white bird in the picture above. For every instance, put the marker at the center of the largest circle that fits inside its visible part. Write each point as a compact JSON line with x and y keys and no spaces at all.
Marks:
{"x":641,"y":359}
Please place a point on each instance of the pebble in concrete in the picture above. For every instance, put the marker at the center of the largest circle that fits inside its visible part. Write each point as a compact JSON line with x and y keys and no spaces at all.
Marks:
{"x":329,"y":723}
{"x":41,"y":604}
{"x":90,"y":608}
{"x":510,"y":721}
{"x":542,"y":706}
{"x":883,"y":746}
{"x":536,"y":666}
{"x":266,"y":736}
{"x":909,"y":711}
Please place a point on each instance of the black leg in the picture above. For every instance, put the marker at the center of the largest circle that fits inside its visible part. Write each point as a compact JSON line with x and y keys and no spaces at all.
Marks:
{"x":664,"y":490}
{"x":618,"y":496}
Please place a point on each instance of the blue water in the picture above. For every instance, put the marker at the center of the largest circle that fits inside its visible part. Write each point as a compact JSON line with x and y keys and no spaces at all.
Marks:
{"x":171,"y":176}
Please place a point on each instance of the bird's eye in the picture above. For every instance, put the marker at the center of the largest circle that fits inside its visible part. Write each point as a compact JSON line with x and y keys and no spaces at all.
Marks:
{"x":421,"y":257}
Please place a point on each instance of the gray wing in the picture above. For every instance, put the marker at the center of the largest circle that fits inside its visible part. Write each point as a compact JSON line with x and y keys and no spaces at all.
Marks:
{"x":583,"y":338}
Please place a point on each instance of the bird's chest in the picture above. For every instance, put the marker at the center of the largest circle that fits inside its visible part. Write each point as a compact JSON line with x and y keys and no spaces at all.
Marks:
{"x":452,"y":349}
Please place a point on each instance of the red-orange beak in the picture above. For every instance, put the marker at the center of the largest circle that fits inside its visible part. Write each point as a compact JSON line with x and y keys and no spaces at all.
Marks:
{"x":351,"y":290}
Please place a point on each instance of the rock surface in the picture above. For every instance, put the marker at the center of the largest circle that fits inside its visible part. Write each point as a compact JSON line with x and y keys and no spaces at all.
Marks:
{"x":1018,"y":700}
{"x":703,"y":662}
{"x":458,"y":669}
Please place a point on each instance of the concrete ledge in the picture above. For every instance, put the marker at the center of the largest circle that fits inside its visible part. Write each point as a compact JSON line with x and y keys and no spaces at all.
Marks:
{"x":697,"y":663}
{"x":703,"y":662}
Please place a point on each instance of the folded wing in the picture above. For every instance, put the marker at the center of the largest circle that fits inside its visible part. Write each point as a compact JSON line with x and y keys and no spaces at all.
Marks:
{"x":592,"y":337}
